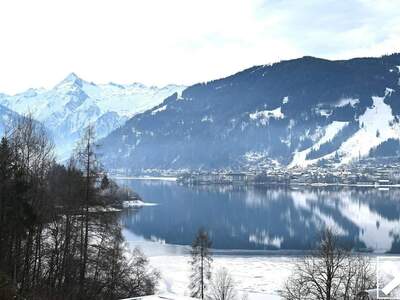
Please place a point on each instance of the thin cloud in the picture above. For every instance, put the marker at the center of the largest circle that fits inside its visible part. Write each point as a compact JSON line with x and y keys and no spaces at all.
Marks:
{"x":160,"y":42}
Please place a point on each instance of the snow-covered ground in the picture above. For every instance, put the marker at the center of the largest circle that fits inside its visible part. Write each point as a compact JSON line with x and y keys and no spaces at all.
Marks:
{"x":264,"y":115}
{"x":258,"y":276}
{"x":136,"y":203}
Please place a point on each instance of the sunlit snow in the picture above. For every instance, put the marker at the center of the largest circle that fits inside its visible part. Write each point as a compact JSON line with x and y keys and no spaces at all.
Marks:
{"x":377,"y":125}
{"x":162,"y":108}
{"x":73,"y":104}
{"x":347,"y":101}
{"x":330,"y":131}
{"x":264,"y":115}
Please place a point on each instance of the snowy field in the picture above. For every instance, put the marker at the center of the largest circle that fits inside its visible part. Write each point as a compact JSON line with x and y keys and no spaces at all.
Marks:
{"x":258,"y":276}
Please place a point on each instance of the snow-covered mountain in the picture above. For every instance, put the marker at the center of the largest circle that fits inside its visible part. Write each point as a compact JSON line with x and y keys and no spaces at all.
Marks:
{"x":293,"y":113}
{"x":68,"y":108}
{"x":7,"y":119}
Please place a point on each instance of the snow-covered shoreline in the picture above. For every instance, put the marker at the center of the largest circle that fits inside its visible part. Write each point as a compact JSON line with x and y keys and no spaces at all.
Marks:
{"x":136,"y":203}
{"x":259,"y":276}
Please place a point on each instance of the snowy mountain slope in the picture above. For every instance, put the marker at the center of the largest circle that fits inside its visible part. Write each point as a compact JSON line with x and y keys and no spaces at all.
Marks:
{"x":377,"y":125}
{"x":7,"y":117}
{"x":293,"y":113}
{"x":73,"y":104}
{"x":330,"y":131}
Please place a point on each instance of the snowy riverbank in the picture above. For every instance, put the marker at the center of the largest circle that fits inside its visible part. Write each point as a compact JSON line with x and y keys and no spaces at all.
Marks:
{"x":136,"y":203}
{"x":258,"y":276}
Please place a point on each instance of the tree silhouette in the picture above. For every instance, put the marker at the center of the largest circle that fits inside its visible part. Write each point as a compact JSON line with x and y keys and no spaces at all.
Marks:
{"x":200,"y":264}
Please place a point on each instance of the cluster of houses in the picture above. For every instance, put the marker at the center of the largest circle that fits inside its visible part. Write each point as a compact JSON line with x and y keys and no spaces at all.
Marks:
{"x":216,"y":177}
{"x":359,"y":174}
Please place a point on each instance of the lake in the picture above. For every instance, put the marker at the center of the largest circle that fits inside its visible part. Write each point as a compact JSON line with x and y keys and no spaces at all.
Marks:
{"x":256,"y":219}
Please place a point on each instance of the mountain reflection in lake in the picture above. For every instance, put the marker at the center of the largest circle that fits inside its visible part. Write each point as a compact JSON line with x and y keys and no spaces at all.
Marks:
{"x":265,"y":218}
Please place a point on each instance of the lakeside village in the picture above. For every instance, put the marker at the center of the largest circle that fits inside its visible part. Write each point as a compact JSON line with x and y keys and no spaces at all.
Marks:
{"x":366,"y":173}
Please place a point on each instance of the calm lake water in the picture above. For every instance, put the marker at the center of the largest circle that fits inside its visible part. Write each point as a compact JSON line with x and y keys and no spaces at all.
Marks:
{"x":264,"y":218}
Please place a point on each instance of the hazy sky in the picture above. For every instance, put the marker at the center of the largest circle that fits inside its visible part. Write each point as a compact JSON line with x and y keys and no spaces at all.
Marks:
{"x":181,"y":41}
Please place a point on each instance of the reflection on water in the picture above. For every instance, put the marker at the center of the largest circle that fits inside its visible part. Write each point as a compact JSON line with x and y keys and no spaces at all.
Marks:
{"x":255,"y":218}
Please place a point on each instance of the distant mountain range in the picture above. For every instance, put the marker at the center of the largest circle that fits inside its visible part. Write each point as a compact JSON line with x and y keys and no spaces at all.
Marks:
{"x":68,"y":108}
{"x":292,"y":113}
{"x":7,"y":119}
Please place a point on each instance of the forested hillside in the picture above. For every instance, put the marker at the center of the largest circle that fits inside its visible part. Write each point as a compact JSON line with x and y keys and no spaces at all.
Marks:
{"x":59,"y":235}
{"x":292,"y":113}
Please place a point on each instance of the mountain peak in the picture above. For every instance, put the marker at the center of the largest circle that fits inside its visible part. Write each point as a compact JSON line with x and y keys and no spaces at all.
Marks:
{"x":72,"y":78}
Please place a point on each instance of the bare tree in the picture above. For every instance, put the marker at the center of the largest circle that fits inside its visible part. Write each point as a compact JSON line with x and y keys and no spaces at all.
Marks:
{"x":31,"y":143}
{"x":329,"y":273}
{"x":87,"y":160}
{"x":34,"y":157}
{"x":223,"y":286}
{"x":201,"y":264}
{"x":358,"y":275}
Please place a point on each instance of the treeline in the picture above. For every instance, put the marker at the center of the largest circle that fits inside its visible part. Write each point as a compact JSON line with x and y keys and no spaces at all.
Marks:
{"x":59,"y":234}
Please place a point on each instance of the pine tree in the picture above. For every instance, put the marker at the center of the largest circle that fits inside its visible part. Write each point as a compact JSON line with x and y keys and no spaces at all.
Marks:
{"x":105,"y":182}
{"x":200,"y":264}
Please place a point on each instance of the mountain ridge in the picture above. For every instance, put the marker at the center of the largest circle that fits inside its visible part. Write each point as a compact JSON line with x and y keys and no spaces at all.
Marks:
{"x":263,"y":115}
{"x":72,"y":104}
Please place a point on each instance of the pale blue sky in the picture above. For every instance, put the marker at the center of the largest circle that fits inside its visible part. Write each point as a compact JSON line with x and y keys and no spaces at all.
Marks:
{"x":181,"y":41}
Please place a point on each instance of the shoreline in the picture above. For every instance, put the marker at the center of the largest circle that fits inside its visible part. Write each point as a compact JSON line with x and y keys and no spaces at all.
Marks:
{"x":160,"y":247}
{"x":298,"y":184}
{"x":243,"y":183}
{"x":160,"y":178}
